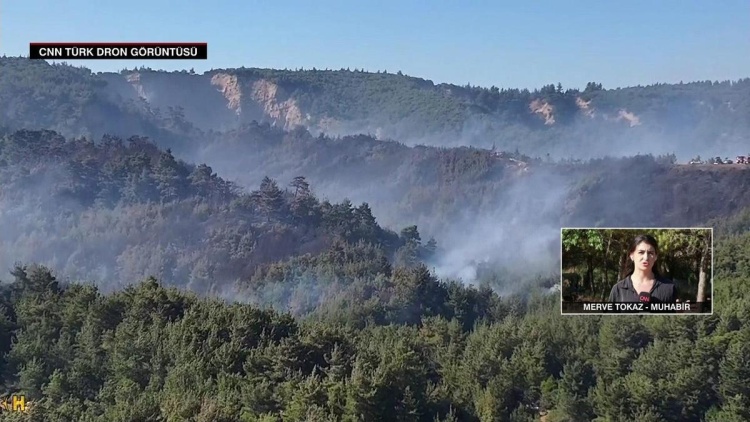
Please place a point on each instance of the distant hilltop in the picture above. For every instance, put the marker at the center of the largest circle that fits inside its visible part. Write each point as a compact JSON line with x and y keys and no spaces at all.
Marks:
{"x":701,"y":117}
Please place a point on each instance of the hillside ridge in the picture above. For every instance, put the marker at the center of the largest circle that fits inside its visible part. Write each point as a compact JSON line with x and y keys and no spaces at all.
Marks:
{"x":703,"y":117}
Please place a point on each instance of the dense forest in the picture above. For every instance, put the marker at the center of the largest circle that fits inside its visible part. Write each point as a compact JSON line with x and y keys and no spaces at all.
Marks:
{"x":140,"y":211}
{"x":70,"y":100}
{"x":419,"y":350}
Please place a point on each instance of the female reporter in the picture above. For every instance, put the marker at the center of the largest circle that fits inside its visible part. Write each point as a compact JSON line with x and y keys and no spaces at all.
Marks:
{"x":643,"y":283}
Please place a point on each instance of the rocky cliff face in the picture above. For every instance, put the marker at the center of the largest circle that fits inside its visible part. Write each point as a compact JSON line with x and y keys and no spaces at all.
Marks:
{"x":585,"y":107}
{"x":230,"y":89}
{"x":134,"y":79}
{"x":629,"y":117}
{"x":194,"y":96}
{"x":277,"y":105}
{"x":545,"y":109}
{"x":213,"y":101}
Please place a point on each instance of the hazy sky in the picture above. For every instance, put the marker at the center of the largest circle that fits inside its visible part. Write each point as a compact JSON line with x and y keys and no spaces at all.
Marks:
{"x":501,"y":43}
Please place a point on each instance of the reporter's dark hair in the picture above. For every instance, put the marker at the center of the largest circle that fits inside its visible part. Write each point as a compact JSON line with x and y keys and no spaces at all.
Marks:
{"x":647,"y":239}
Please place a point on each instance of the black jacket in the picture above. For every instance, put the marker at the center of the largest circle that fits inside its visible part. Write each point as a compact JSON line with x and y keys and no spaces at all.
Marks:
{"x":662,"y":291}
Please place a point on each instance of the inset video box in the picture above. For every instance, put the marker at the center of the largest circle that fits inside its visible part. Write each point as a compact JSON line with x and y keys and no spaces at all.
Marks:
{"x":119,"y":50}
{"x":636,"y":271}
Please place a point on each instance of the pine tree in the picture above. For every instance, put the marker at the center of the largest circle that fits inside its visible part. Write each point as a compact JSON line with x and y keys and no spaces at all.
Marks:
{"x":269,"y":199}
{"x":32,"y":377}
{"x":735,"y":373}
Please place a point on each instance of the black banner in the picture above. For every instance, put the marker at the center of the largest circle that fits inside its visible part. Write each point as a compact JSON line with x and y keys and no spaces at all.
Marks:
{"x":636,"y":308}
{"x":128,"y":51}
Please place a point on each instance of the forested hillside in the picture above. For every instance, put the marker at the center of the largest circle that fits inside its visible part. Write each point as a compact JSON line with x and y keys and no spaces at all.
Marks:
{"x":73,"y":101}
{"x":119,"y":210}
{"x":707,"y":118}
{"x":430,"y":352}
{"x":439,"y":184}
